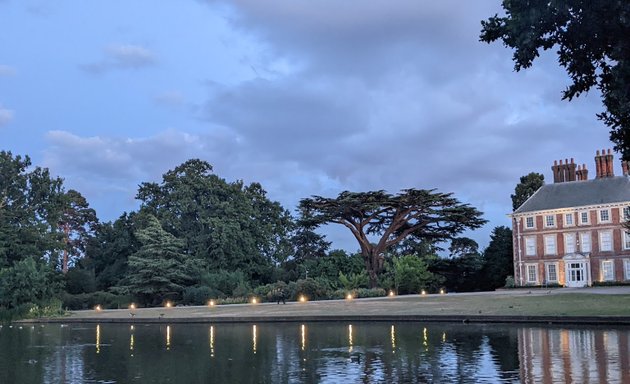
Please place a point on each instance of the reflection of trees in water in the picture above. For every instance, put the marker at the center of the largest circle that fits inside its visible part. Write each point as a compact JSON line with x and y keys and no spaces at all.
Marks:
{"x":315,"y":352}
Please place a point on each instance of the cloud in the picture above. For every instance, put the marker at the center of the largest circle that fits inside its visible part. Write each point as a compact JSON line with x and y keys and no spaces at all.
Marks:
{"x":122,"y":56}
{"x":6,"y":115}
{"x":169,"y":99}
{"x":6,"y":70}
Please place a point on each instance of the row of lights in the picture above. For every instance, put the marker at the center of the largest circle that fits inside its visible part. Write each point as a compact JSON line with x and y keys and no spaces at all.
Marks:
{"x":254,"y":300}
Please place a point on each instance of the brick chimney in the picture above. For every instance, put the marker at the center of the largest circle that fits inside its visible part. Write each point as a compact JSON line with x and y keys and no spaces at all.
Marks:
{"x":564,"y":171}
{"x":604,"y":164}
{"x":625,"y":167}
{"x":582,"y":172}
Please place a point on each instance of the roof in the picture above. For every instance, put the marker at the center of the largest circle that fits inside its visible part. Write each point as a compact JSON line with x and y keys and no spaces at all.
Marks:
{"x":606,"y":190}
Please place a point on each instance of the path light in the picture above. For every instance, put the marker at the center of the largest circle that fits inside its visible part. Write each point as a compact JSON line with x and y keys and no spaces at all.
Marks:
{"x":211,"y":303}
{"x":254,"y":300}
{"x":349,"y":296}
{"x":423,"y":292}
{"x":391,"y":293}
{"x":442,"y":291}
{"x":132,"y":306}
{"x":302,"y":299}
{"x":168,"y":304}
{"x":98,"y":308}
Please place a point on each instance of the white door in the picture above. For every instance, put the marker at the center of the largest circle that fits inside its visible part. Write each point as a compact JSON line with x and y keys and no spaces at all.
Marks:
{"x":576,"y":274}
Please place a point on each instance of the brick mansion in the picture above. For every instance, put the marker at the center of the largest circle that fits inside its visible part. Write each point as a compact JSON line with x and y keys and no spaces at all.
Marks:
{"x":572,"y":232}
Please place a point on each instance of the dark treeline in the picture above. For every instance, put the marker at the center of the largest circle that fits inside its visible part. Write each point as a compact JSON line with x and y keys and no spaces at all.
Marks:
{"x":198,"y":237}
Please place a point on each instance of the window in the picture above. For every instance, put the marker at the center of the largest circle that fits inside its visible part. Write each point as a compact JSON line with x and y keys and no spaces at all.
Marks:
{"x":530,"y":246}
{"x":552,"y":273}
{"x":550,"y":221}
{"x":583,"y":217}
{"x":569,"y":243}
{"x":550,"y":245}
{"x":529,"y":222}
{"x":604,"y":216}
{"x":605,"y":241}
{"x":585,"y":242}
{"x":626,"y":240}
{"x":626,"y":213}
{"x":626,"y":264}
{"x":568,"y":220}
{"x":607,"y":271}
{"x":532,"y":273}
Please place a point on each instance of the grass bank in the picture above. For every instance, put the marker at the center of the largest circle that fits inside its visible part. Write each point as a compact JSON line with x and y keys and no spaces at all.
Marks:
{"x":535,"y":305}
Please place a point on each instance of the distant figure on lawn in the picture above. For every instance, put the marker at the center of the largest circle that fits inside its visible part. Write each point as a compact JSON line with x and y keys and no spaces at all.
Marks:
{"x":280,"y":292}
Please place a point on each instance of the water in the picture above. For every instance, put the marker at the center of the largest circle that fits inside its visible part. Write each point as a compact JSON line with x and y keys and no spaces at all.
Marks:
{"x":312,"y":353}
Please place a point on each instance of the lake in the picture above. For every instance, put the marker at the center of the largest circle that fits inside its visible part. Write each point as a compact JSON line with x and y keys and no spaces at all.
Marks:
{"x":360,"y":352}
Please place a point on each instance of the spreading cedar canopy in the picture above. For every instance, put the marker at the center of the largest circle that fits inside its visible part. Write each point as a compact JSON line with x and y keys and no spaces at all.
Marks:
{"x":591,"y":38}
{"x":379,"y":220}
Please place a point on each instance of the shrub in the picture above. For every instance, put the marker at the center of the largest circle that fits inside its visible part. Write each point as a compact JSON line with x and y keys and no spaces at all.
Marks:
{"x":411,"y":274}
{"x":509,"y":282}
{"x":354,"y":280}
{"x":610,"y":283}
{"x":91,"y":300}
{"x":311,"y":288}
{"x":198,"y":295}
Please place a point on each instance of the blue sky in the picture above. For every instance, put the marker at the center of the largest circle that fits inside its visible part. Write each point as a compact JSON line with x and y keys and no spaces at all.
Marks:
{"x":306,"y":97}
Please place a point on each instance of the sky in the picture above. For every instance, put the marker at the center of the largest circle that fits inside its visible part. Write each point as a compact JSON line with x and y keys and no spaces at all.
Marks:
{"x":305,"y":97}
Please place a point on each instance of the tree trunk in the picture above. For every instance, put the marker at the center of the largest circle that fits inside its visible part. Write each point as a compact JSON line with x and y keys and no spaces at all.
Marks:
{"x":373,"y":265}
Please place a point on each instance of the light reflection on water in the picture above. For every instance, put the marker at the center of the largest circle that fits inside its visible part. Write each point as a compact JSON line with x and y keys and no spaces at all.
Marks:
{"x":313,"y":353}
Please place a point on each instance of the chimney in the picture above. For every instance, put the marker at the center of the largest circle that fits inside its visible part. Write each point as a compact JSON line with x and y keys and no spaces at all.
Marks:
{"x":624,"y":167}
{"x":598,"y":165}
{"x":571,"y":170}
{"x":584,"y":172}
{"x":609,"y":158}
{"x":554,"y":169}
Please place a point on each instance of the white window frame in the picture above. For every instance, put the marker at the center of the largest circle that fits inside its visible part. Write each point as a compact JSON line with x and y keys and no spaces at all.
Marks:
{"x":589,"y":247}
{"x":529,"y":268}
{"x":581,"y":217}
{"x":624,"y":214}
{"x":626,"y":268}
{"x":530,"y":246}
{"x":607,"y":266}
{"x":547,"y":218}
{"x":533,"y":226}
{"x":600,"y":216}
{"x":601,"y":241}
{"x":569,"y":216}
{"x":570,"y":245}
{"x":626,"y":239}
{"x":548,"y":243}
{"x":548,"y":275}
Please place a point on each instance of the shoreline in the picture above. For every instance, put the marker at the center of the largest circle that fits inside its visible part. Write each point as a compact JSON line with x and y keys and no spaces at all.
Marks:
{"x":592,"y":306}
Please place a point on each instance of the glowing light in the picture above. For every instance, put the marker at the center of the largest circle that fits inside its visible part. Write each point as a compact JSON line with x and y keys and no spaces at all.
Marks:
{"x":302,"y":299}
{"x":393,"y":334}
{"x":168,"y":304}
{"x":211,"y":303}
{"x":442,"y":291}
{"x":132,"y":306}
{"x":168,"y":337}
{"x":350,"y":338}
{"x":131,"y":342}
{"x":349,"y":296}
{"x":211,"y":341}
{"x":254,"y":336}
{"x":423,"y":293}
{"x":98,"y":308}
{"x":98,"y":338}
{"x":254,"y":300}
{"x":425,"y":338}
{"x":391,"y":293}
{"x":444,"y":337}
{"x":303,"y":332}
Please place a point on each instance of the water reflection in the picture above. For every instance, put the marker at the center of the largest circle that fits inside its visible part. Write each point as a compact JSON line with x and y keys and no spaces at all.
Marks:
{"x":319,"y":352}
{"x":578,"y":356}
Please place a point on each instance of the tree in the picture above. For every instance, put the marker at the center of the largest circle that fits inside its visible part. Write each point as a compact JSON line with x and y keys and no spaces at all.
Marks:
{"x":27,"y":282}
{"x":78,"y":222}
{"x":228,"y":226}
{"x":592,"y":43}
{"x":30,"y":207}
{"x":462,"y":269}
{"x":498,"y":258}
{"x":158,"y":270}
{"x":411,"y":274}
{"x":526,"y":188}
{"x":388,"y":219}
